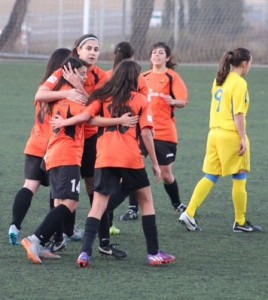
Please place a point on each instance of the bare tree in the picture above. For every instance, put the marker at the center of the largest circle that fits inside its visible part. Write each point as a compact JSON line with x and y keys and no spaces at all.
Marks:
{"x":141,"y":15}
{"x":13,"y":28}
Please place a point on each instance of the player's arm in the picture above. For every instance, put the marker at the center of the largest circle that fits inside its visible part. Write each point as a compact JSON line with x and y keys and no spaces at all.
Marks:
{"x":147,"y":138}
{"x":180,"y":91}
{"x":239,"y":120}
{"x":178,"y":103}
{"x":44,"y":94}
{"x":125,"y":120}
{"x":59,"y":122}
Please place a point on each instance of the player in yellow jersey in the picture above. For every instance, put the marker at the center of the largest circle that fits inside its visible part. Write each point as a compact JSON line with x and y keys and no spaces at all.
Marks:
{"x":228,"y":148}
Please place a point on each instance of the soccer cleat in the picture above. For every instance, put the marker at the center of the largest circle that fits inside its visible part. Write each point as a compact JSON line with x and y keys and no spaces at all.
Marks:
{"x":129,"y":215}
{"x":181,"y":208}
{"x":32,"y":250}
{"x":161,"y":258}
{"x":188,"y":222}
{"x":57,"y":246}
{"x":112,"y":250}
{"x":114,"y":230}
{"x":14,"y":235}
{"x":44,"y":252}
{"x":247,"y":227}
{"x":84,"y":260}
{"x":77,"y":235}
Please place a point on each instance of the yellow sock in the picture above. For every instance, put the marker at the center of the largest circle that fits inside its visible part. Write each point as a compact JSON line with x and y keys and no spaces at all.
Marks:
{"x":199,"y":195}
{"x":239,"y":194}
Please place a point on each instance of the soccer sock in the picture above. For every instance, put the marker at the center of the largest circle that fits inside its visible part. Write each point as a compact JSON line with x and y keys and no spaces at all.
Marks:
{"x":104,"y":230}
{"x":239,"y":195}
{"x":69,"y":222}
{"x":21,"y":205}
{"x":173,"y":192}
{"x":199,"y":195}
{"x":51,"y":201}
{"x":150,"y":232}
{"x":133,"y":201}
{"x":91,"y":196}
{"x":111,"y":217}
{"x":53,"y":222}
{"x":91,"y":229}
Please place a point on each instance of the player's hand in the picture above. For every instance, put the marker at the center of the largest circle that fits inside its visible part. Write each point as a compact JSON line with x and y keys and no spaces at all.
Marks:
{"x":72,"y":76}
{"x":128,"y":120}
{"x":77,"y":96}
{"x":243,"y":147}
{"x":169,"y":100}
{"x":157,"y":172}
{"x":57,"y":122}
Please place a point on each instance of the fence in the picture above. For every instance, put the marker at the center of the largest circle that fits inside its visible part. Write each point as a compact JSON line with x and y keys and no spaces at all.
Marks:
{"x":198,"y":30}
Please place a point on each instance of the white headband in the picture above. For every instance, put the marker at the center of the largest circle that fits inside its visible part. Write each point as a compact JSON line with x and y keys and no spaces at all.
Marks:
{"x":87,"y":39}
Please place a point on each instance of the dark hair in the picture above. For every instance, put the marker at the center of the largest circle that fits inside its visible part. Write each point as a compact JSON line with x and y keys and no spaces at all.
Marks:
{"x":122,"y":51}
{"x":75,"y":63}
{"x":171,"y":64}
{"x":119,"y":87}
{"x":234,"y":58}
{"x":55,"y":62}
{"x":79,"y":42}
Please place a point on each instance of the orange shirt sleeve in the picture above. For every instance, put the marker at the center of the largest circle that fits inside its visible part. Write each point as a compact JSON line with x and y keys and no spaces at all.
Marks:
{"x":53,"y":79}
{"x":142,"y":86}
{"x":179,"y":88}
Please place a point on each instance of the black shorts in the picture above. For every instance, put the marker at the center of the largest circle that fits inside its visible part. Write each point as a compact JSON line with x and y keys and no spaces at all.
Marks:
{"x":65,"y":182}
{"x":106,"y":180}
{"x":89,"y":157}
{"x":33,"y":171}
{"x":165,"y":151}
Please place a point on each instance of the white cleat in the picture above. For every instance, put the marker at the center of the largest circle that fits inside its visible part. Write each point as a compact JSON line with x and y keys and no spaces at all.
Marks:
{"x":189,"y":222}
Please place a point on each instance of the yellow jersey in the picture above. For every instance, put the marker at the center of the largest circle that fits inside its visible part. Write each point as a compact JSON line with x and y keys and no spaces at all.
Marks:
{"x":228,"y":100}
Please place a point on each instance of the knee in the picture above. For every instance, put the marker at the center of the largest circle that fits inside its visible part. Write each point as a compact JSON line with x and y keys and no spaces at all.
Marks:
{"x":240,"y":176}
{"x":213,"y":178}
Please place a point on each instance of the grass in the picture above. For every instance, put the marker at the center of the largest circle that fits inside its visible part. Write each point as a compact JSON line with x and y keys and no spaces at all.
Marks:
{"x":213,"y":264}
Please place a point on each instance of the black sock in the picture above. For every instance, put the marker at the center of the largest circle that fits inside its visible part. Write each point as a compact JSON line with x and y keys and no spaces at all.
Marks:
{"x":91,"y":229}
{"x":91,"y":196}
{"x":69,"y":222}
{"x":53,"y":222}
{"x":104,"y":228}
{"x":51,"y":201}
{"x":133,"y":201}
{"x":150,"y":232}
{"x":21,"y":204}
{"x":173,"y":192}
{"x":111,"y":217}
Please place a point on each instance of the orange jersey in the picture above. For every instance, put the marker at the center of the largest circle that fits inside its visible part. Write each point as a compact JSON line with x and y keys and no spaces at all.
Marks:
{"x":142,"y":84}
{"x":65,"y":145}
{"x":168,"y":83}
{"x":96,"y":77}
{"x":37,"y":143}
{"x":118,"y":146}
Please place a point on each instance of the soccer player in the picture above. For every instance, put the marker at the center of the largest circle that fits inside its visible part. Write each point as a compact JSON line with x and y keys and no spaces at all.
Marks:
{"x":63,"y":159}
{"x":168,"y":92}
{"x":87,"y":48}
{"x":119,"y":158}
{"x":34,"y":152}
{"x":228,"y":148}
{"x":123,"y":51}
